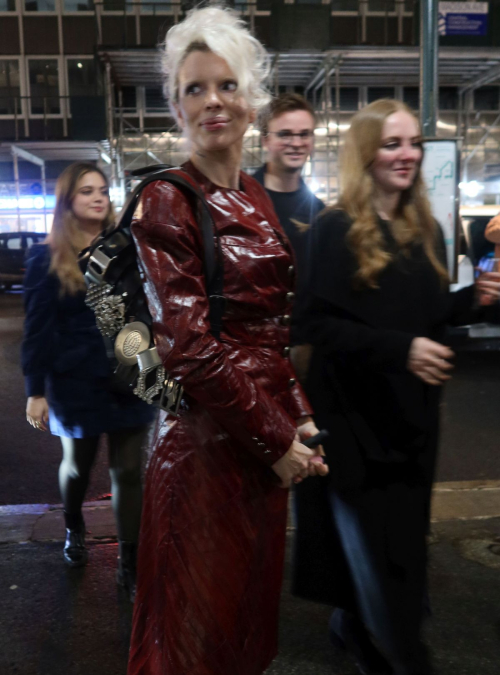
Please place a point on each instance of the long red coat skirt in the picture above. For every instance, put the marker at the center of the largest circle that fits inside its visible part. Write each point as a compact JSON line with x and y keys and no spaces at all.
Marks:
{"x":213,"y":527}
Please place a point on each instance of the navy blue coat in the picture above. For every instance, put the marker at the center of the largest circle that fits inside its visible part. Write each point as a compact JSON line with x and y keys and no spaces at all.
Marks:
{"x":64,"y":359}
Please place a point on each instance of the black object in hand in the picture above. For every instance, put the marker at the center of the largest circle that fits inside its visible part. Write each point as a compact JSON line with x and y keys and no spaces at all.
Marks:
{"x":316,"y":440}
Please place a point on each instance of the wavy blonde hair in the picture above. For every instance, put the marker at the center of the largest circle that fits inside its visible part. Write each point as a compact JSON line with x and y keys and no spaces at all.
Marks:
{"x":66,"y":239}
{"x":413,"y":223}
{"x":221,"y":31}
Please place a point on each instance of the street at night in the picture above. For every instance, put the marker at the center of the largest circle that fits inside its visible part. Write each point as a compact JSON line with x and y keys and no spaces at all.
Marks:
{"x":57,"y":621}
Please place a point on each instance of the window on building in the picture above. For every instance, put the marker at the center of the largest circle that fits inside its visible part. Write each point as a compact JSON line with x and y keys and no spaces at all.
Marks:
{"x":40,"y":5}
{"x":155,"y":6}
{"x":83,"y":77}
{"x":349,"y":98}
{"x":44,"y":86}
{"x":116,"y":6}
{"x":78,"y":5}
{"x":448,"y":98}
{"x":486,"y":98}
{"x":374,"y":93}
{"x":7,"y":5}
{"x":345,"y":5}
{"x":381,"y":5}
{"x":155,"y":101}
{"x":10,"y":87}
{"x":411,"y":96}
{"x":128,"y":99}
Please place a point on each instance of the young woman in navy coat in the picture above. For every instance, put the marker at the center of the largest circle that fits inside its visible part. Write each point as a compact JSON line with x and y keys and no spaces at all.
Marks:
{"x":66,"y":369}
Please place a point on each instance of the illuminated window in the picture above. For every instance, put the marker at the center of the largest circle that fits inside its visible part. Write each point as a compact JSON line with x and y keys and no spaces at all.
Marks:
{"x":83,"y":77}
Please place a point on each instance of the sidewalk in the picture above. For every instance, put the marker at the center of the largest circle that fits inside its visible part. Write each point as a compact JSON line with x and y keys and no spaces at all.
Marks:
{"x":56,"y":621}
{"x":468,"y":500}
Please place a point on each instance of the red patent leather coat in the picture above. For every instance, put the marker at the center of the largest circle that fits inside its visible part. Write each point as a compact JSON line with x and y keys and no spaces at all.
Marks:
{"x":213,"y":529}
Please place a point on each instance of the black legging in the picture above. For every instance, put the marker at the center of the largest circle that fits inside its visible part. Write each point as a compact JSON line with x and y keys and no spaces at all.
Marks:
{"x":124,"y":468}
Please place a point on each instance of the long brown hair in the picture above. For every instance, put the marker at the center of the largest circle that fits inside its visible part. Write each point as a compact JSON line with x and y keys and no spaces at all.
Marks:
{"x":413,"y":223}
{"x":65,"y":238}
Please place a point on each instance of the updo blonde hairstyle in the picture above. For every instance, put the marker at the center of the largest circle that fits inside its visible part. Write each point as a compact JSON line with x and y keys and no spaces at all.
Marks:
{"x":413,"y":223}
{"x":219,"y":30}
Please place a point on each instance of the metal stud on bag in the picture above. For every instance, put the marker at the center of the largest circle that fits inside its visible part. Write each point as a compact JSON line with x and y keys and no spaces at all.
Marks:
{"x":149,"y":364}
{"x":133,"y":339}
{"x":109,"y":309}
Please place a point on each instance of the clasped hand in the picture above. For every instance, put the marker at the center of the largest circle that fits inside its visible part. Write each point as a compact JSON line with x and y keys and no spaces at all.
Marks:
{"x":299,"y":462}
{"x":488,"y":288}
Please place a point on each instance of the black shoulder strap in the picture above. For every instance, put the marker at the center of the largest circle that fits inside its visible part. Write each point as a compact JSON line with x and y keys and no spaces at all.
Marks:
{"x":212,"y":258}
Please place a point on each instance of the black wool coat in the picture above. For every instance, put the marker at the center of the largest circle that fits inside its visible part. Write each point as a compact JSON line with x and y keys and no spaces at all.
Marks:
{"x":377,"y":412}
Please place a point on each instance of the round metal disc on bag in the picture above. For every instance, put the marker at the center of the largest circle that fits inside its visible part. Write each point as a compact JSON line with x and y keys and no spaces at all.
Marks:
{"x":130,"y":341}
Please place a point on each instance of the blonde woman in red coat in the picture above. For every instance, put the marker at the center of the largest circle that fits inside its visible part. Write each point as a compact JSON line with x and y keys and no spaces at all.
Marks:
{"x":214,"y":517}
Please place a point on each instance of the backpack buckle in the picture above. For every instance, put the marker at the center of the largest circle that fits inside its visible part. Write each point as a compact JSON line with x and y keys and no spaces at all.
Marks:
{"x":98,"y":266}
{"x":151,"y":375}
{"x":171,"y":396}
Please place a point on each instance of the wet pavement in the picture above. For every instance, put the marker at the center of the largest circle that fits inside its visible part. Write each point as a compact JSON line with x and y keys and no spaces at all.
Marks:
{"x":57,"y":621}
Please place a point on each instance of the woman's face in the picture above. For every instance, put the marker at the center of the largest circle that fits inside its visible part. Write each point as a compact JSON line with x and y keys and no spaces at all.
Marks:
{"x":91,"y":200}
{"x":212,"y":112}
{"x":398,"y":159}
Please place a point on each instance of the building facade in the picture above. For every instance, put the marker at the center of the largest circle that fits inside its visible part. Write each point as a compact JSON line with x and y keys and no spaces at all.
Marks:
{"x":79,"y":80}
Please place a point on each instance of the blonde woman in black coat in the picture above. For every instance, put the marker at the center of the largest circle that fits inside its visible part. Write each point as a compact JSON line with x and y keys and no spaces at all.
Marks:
{"x":377,"y":314}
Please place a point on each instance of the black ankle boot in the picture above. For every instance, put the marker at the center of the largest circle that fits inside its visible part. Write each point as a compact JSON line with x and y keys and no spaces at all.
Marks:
{"x":75,"y":553}
{"x":348,"y":633}
{"x":127,"y":566}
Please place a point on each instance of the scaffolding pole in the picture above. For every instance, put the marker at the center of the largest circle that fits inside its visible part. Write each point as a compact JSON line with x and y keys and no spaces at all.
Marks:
{"x":429,"y":48}
{"x":110,"y":125}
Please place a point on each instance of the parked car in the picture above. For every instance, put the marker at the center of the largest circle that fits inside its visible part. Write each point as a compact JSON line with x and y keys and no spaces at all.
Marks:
{"x":13,"y":248}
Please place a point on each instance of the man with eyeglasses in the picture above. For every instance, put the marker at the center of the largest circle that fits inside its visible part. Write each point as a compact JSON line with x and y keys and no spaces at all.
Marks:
{"x":287,"y":131}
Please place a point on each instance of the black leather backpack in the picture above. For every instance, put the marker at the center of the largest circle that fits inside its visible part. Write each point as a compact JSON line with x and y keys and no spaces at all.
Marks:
{"x":116,"y":296}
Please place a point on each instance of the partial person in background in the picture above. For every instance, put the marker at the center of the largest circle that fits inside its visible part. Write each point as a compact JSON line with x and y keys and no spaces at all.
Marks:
{"x":287,"y":131}
{"x":67,"y":370}
{"x":492,"y":234}
{"x":215,"y":511}
{"x":377,"y":313}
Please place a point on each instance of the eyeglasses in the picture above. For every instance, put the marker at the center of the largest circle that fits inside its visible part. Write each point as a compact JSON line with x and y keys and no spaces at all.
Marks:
{"x":288,"y":136}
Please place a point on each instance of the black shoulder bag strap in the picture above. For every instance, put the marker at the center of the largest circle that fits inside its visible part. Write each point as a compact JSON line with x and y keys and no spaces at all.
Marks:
{"x":212,"y":255}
